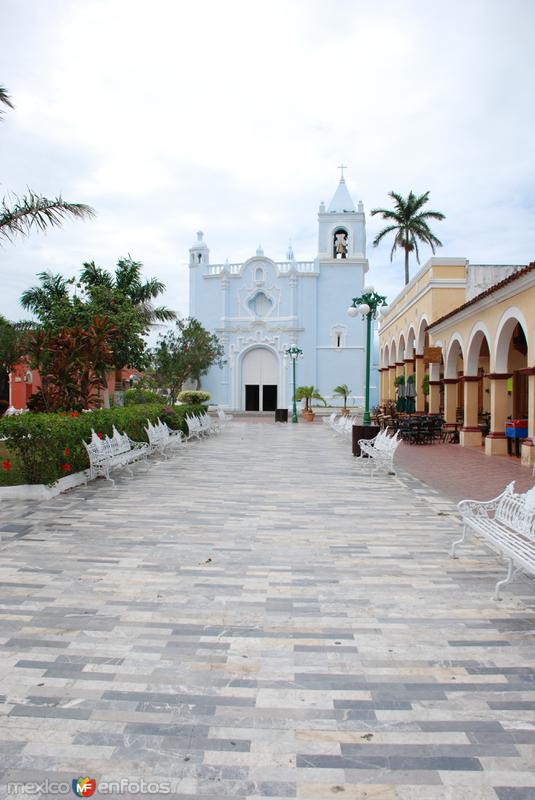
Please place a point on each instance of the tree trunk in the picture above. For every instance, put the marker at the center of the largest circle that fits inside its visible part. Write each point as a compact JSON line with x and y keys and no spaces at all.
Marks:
{"x":106,"y":397}
{"x":406,"y":266}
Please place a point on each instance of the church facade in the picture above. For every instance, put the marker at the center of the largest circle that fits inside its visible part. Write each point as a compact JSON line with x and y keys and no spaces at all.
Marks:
{"x":261,"y":307}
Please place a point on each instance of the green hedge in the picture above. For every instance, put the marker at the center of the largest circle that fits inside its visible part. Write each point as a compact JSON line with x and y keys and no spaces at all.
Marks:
{"x":49,"y":446}
{"x":134,"y":397}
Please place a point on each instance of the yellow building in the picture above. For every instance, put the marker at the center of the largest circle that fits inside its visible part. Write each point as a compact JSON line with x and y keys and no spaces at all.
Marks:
{"x":482,"y":319}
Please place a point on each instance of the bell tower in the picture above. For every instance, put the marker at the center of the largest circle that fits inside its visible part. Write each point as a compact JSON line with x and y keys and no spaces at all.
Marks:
{"x":199,"y":252}
{"x":342,"y":227}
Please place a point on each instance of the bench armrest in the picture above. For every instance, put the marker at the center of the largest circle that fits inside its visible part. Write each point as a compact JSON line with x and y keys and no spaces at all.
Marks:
{"x":481,"y":508}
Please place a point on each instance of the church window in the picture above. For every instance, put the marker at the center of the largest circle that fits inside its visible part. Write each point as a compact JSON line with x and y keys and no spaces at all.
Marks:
{"x":340,"y":241}
{"x":259,"y":275}
{"x":260,"y":304}
{"x":199,"y":257}
{"x":338,"y":336}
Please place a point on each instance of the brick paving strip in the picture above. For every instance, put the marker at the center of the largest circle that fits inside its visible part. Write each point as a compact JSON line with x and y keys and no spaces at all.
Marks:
{"x":461,"y":472}
{"x":256,"y":618}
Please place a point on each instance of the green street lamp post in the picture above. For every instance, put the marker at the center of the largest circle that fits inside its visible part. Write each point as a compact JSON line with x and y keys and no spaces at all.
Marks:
{"x":367,"y":305}
{"x":294,"y":353}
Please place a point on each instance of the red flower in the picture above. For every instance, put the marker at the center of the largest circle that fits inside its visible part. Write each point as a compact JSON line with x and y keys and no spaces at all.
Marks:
{"x":66,"y":468}
{"x":73,"y":414}
{"x":6,"y":465}
{"x":66,"y":451}
{"x":100,"y":436}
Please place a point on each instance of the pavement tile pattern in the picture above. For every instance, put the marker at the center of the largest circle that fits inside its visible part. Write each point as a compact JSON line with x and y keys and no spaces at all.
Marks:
{"x":257,"y":617}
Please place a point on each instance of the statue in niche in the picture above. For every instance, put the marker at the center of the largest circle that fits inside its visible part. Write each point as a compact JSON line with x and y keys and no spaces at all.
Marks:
{"x":340,"y":244}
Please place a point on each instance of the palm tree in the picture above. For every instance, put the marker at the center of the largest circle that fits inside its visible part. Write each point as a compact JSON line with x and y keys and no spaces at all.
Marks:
{"x":129,"y":280}
{"x":410,"y":225}
{"x":342,"y":391}
{"x":308,"y":393}
{"x":43,"y":299}
{"x":32,"y":210}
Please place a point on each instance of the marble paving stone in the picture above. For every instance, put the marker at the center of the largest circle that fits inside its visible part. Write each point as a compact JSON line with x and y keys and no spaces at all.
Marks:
{"x":258,"y":617}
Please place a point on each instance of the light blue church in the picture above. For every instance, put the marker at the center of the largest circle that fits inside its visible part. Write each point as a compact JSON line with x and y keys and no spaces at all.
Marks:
{"x":261,"y":307}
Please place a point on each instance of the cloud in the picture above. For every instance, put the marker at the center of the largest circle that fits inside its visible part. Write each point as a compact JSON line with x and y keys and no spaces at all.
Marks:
{"x":231,"y":117}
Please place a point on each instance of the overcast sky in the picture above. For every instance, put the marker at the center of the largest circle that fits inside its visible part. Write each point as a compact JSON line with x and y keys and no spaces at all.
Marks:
{"x":230,"y":116}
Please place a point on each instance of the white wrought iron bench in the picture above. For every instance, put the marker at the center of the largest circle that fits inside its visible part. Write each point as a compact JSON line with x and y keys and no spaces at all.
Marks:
{"x":223,"y":418}
{"x":118,"y":452}
{"x":343,"y":426}
{"x":379,"y":452}
{"x":161,"y":437}
{"x":209,"y":426}
{"x":330,"y":419}
{"x":507,"y":524}
{"x":195,"y":430}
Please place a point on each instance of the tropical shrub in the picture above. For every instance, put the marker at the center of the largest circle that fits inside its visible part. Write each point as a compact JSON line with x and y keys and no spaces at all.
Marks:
{"x":73,"y":363}
{"x":134,"y":397}
{"x":343,"y":391}
{"x":194,"y":396}
{"x":10,"y":468}
{"x":49,"y":446}
{"x":308,"y":393}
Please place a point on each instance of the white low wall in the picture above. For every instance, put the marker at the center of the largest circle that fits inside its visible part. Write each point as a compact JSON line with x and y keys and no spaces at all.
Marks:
{"x":39,"y":491}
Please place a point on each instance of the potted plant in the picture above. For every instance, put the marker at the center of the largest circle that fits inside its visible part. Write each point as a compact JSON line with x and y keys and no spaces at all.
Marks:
{"x":308,"y":393}
{"x":343,"y":391}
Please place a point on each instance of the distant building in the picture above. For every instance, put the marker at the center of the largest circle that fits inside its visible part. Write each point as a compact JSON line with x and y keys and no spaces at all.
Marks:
{"x":261,"y":307}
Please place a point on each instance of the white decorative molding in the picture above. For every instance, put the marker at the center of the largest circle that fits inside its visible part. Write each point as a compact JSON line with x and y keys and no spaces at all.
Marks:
{"x":240,"y":347}
{"x":246,"y":293}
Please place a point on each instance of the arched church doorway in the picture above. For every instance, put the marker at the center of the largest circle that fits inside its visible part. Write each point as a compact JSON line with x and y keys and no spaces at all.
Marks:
{"x":259,"y":380}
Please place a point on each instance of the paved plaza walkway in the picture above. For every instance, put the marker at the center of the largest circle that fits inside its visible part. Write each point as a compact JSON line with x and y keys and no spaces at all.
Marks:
{"x":255,"y":618}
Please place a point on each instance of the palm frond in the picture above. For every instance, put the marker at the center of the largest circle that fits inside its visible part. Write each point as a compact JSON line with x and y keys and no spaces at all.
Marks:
{"x":92,"y":275}
{"x":163,"y":314}
{"x":5,"y":99}
{"x":410,"y":225}
{"x":383,"y":233}
{"x":33,"y":211}
{"x":400,"y":200}
{"x":41,"y":298}
{"x":431,"y":215}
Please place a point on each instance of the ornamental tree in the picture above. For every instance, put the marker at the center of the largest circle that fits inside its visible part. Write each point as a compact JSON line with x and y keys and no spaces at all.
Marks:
{"x":72,"y":363}
{"x":123,"y":297}
{"x":185,"y":353}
